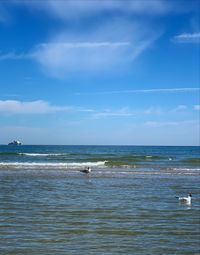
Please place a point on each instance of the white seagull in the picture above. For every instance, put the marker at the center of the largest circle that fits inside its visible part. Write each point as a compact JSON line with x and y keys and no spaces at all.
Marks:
{"x":185,"y":200}
{"x":87,"y":170}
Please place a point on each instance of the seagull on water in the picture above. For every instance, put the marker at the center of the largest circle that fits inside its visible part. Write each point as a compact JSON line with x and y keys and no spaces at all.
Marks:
{"x":185,"y":200}
{"x":87,"y":170}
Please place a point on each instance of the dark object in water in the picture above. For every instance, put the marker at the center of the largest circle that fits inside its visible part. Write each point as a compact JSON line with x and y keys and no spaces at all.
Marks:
{"x":87,"y":170}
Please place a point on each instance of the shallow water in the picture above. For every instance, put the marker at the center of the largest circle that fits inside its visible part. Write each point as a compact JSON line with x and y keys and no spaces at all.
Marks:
{"x":127,"y":204}
{"x":63,"y":212}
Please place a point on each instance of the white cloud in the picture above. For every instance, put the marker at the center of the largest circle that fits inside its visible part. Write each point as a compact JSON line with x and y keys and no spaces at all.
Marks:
{"x":187,"y":38}
{"x":35,"y":107}
{"x":14,"y":106}
{"x":111,"y":45}
{"x":59,"y":58}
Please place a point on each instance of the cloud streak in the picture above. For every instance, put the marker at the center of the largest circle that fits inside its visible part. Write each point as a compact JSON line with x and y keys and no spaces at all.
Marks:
{"x":187,"y":38}
{"x":72,"y":45}
{"x":164,"y":90}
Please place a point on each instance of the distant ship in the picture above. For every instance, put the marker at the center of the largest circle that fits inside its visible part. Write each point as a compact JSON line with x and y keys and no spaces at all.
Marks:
{"x":15,"y":143}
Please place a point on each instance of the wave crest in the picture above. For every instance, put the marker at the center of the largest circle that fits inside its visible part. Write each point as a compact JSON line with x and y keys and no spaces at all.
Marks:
{"x":72,"y":165}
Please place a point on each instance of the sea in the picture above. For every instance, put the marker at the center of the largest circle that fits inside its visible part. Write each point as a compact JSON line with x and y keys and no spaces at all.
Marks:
{"x":127,"y":205}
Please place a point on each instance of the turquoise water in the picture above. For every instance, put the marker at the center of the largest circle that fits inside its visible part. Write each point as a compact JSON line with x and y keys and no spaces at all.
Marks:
{"x":127,"y":204}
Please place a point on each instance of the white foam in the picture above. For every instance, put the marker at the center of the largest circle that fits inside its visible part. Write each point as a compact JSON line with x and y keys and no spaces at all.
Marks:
{"x":52,"y":165}
{"x":185,"y":169}
{"x":41,"y":154}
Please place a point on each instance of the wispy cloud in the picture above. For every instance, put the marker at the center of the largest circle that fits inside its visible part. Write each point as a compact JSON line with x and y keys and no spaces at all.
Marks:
{"x":127,"y":112}
{"x":35,"y":107}
{"x":123,"y":112}
{"x":143,"y":112}
{"x":14,"y":56}
{"x":110,"y":42}
{"x":153,"y":110}
{"x":59,"y":58}
{"x":164,"y":90}
{"x":187,"y":38}
{"x":110,"y":46}
{"x":117,"y":39}
{"x":72,"y":45}
{"x":180,"y":108}
{"x":69,"y":9}
{"x":158,"y":124}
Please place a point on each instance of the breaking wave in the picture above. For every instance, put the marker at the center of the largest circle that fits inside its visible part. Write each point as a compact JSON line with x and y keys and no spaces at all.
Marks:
{"x":31,"y":165}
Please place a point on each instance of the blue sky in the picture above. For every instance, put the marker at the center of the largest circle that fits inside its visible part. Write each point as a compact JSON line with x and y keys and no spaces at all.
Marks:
{"x":100,"y":72}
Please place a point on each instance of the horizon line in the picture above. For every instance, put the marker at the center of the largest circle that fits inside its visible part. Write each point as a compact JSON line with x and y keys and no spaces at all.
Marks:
{"x":157,"y":145}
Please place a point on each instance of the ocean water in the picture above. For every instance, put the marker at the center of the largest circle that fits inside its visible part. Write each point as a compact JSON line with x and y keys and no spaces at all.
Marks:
{"x":126,"y":205}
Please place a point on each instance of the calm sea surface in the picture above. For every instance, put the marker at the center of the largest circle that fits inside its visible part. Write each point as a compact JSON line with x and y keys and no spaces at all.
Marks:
{"x":126,"y":205}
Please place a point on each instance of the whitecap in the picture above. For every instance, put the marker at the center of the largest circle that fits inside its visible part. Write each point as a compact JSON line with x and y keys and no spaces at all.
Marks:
{"x":72,"y":165}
